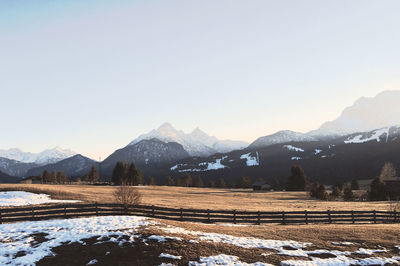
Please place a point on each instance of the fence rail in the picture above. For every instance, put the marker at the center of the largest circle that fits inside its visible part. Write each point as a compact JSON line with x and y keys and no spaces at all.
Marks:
{"x":46,"y":212}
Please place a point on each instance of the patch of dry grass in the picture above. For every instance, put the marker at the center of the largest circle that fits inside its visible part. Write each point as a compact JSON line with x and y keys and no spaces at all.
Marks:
{"x":203,"y":198}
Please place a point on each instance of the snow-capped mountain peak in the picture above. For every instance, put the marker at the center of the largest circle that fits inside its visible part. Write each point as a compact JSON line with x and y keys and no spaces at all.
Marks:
{"x":47,"y":156}
{"x":366,"y":114}
{"x":196,"y":143}
{"x":283,"y":136}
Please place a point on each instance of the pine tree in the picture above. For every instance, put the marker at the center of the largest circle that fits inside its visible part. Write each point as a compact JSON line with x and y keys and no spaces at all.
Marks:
{"x":321,"y":193}
{"x":118,"y":174}
{"x":198,"y":182}
{"x":354,"y":185}
{"x":93,"y":175}
{"x":220,"y":183}
{"x":133,"y":175}
{"x":187,"y":180}
{"x":169,"y":181}
{"x":211,"y":184}
{"x":46,"y":177}
{"x":378,"y":190}
{"x":61,"y":177}
{"x":152,"y":181}
{"x":53,"y":177}
{"x":348,"y":194}
{"x":297,"y":180}
{"x":275,"y":184}
{"x":243,"y":182}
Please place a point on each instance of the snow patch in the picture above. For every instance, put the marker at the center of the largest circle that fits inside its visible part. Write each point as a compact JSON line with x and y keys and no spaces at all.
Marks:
{"x":222,"y":259}
{"x":169,"y":256}
{"x":295,"y":158}
{"x":243,"y":242}
{"x":21,"y":198}
{"x":340,"y":260}
{"x":164,"y":238}
{"x":317,"y":151}
{"x":293,"y":148}
{"x":92,"y":262}
{"x":251,"y":160}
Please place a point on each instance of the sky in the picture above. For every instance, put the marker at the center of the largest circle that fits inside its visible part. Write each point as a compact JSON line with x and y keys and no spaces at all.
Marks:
{"x":93,"y":75}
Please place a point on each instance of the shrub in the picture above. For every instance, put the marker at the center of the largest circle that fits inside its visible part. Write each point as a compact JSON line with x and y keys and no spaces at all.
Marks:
{"x":127,"y":195}
{"x":348,"y":194}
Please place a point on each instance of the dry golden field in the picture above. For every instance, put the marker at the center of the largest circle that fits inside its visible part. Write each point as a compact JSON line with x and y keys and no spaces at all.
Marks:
{"x":205,"y":198}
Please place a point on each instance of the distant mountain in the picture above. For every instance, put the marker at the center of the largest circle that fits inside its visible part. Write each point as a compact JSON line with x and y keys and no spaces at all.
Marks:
{"x":77,"y":165}
{"x":4,"y":178}
{"x":45,"y":157}
{"x":146,"y":152}
{"x":196,"y":143}
{"x":365,"y":114}
{"x":281,"y":137}
{"x":355,"y":156}
{"x":15,"y":168}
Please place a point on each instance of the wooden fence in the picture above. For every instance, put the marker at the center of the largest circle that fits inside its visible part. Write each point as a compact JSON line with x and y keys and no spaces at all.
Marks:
{"x":46,"y":212}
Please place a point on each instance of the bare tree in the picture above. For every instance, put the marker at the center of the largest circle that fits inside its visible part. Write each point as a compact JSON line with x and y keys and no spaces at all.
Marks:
{"x":388,"y":172}
{"x":127,"y":195}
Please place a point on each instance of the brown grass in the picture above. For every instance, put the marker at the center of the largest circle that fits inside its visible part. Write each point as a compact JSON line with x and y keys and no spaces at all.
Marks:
{"x":205,"y":198}
{"x":140,"y":253}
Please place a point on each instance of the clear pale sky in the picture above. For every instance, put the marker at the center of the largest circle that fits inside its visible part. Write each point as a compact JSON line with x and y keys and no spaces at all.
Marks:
{"x":93,"y":75}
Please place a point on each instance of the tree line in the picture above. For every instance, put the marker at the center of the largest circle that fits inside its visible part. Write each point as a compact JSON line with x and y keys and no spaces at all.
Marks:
{"x":59,"y":177}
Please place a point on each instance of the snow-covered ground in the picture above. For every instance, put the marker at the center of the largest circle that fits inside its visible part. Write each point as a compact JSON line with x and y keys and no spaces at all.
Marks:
{"x":223,"y":259}
{"x":21,"y":198}
{"x":19,"y":237}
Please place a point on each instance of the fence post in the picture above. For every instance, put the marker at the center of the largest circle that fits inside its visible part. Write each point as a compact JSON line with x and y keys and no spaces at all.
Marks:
{"x":258,"y":218}
{"x":329,"y":216}
{"x":1,"y":218}
{"x":395,"y":216}
{"x":306,"y":215}
{"x":352,"y":217}
{"x":283,"y":217}
{"x":152,"y":211}
{"x":65,"y":211}
{"x":181,"y":214}
{"x":234,"y":216}
{"x":33,"y":214}
{"x":97,"y":210}
{"x":208,"y":216}
{"x":374,"y":216}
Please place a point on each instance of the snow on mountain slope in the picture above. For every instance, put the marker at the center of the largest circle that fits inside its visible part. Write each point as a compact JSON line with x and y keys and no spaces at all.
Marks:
{"x":47,"y":156}
{"x":281,"y":137}
{"x":196,"y":143}
{"x":365,"y":114}
{"x":251,"y":160}
{"x":293,"y":148}
{"x":376,"y":135}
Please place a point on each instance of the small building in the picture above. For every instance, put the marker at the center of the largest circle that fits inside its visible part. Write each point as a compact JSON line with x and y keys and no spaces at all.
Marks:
{"x":32,"y":180}
{"x":261,"y":185}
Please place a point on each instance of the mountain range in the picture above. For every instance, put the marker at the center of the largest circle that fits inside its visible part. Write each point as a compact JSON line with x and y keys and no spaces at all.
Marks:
{"x":45,"y":157}
{"x":366,"y":130}
{"x":196,"y":143}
